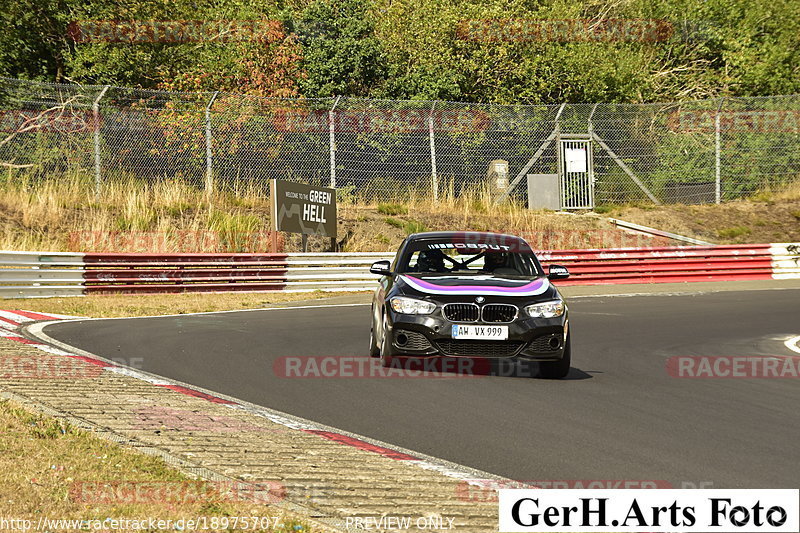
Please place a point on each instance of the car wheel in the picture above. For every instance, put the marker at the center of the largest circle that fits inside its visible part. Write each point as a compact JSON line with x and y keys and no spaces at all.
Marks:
{"x":374,"y":350}
{"x":557,"y":369}
{"x":386,"y":359}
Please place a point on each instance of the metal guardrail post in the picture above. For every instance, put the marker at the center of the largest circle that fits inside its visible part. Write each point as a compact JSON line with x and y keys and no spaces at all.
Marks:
{"x":209,"y":158}
{"x":96,"y":118}
{"x":434,"y":177}
{"x":332,"y":140}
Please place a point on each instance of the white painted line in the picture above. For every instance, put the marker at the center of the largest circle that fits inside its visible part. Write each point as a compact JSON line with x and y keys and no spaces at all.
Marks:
{"x":792,"y":344}
{"x":61,"y":317}
{"x":7,"y":332}
{"x":50,"y":349}
{"x":125,"y":371}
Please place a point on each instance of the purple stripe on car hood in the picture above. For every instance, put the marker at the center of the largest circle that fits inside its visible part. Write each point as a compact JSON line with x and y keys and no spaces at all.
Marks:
{"x":523,"y":288}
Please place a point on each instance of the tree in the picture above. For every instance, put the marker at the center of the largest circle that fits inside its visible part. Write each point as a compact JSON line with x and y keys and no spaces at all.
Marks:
{"x":341,"y":54}
{"x":34,"y":42}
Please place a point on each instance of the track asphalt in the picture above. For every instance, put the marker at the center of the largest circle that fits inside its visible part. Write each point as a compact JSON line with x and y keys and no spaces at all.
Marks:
{"x":620,"y":415}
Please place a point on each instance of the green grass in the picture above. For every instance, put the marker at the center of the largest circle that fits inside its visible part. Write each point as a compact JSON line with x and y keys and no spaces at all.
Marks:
{"x":762,"y":196}
{"x":140,"y":221}
{"x":393,"y":222}
{"x":408,"y":226}
{"x":392,"y":209}
{"x":732,"y":233}
{"x":414,"y":226}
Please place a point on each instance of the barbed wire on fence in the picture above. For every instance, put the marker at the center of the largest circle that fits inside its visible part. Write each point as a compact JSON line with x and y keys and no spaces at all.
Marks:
{"x":381,"y":150}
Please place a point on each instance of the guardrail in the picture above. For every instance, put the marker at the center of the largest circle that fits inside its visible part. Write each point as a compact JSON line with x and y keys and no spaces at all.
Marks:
{"x":39,"y":274}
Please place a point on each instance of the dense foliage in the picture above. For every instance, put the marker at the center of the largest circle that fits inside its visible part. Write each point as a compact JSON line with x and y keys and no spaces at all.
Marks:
{"x":472,"y":50}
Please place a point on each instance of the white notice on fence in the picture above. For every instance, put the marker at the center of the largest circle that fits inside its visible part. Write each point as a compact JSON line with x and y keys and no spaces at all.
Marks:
{"x":575,"y":159}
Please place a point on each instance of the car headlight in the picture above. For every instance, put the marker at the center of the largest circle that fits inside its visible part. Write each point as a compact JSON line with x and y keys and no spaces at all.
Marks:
{"x":412,"y":306}
{"x":546,"y":309}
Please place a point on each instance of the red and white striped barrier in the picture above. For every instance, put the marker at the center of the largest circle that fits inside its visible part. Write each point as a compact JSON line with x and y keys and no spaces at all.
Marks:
{"x":37,"y":274}
{"x":664,"y":264}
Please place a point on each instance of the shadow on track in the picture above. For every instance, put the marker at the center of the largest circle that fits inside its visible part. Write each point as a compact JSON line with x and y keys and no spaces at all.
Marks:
{"x":472,"y":367}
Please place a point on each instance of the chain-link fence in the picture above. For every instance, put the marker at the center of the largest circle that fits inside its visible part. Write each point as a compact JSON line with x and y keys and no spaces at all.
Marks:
{"x":690,"y":152}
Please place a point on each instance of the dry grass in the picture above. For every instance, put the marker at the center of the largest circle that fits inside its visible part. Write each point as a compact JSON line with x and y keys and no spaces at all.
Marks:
{"x":767,"y":216}
{"x":170,"y":216}
{"x":381,"y":226}
{"x":124,"y":305}
{"x":44,"y":460}
{"x":788,"y":194}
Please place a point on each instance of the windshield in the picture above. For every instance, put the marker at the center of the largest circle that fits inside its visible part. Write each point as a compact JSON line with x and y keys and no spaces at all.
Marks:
{"x":446,"y":257}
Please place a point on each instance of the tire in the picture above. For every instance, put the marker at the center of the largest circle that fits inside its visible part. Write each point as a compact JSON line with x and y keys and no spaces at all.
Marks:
{"x":386,"y":359}
{"x":374,"y":349}
{"x":557,"y":369}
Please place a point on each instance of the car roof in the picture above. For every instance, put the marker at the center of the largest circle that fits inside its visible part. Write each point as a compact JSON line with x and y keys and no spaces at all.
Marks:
{"x":478,"y":235}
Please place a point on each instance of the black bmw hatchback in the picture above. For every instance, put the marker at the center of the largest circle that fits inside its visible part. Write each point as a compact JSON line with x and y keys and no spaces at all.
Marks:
{"x":470,"y":294}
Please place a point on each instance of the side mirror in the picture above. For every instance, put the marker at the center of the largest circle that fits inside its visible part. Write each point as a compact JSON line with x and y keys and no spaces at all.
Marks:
{"x":381,"y":268}
{"x":557,"y":272}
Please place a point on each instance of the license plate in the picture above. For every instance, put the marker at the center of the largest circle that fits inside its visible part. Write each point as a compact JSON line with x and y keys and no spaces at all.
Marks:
{"x":474,"y":332}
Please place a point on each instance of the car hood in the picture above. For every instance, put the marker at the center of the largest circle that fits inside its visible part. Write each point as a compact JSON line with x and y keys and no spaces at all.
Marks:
{"x":474,"y":285}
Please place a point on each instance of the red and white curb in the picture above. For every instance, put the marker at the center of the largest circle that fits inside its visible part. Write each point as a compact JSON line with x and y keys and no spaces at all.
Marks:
{"x":34,"y":323}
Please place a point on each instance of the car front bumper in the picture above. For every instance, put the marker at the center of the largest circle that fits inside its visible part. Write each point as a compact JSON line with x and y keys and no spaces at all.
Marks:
{"x":531,"y":339}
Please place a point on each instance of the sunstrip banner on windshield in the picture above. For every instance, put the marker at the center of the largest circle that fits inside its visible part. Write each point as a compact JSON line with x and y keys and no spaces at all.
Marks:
{"x":469,"y":246}
{"x":531,"y":288}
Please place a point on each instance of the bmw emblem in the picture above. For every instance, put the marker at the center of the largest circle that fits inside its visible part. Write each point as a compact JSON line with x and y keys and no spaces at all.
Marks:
{"x":480,"y":299}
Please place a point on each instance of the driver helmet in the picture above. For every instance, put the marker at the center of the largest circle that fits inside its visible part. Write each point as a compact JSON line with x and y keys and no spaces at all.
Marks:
{"x":430,"y":261}
{"x":494,"y":260}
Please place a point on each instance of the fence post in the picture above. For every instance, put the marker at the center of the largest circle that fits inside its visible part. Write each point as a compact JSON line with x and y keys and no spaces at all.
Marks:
{"x":96,"y":118}
{"x":590,"y":161}
{"x":434,"y":177}
{"x":332,"y":140}
{"x":717,"y":150}
{"x":209,"y":158}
